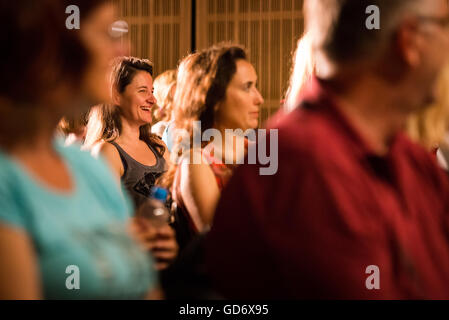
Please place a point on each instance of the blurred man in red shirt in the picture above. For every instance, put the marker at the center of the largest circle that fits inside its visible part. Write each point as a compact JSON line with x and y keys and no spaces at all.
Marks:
{"x":356,"y":210}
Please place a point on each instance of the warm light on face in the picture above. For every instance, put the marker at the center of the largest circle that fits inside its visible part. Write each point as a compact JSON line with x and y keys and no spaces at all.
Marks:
{"x":138,"y":100}
{"x":241,"y":107}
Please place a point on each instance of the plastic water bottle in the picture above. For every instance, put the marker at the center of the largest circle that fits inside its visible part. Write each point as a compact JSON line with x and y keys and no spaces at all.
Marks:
{"x":154,"y":208}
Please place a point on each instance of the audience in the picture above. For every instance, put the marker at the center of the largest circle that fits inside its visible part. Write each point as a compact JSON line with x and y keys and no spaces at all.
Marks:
{"x":356,"y":210}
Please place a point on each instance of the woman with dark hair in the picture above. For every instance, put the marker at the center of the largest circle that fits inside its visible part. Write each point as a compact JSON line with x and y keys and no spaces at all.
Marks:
{"x":63,"y":221}
{"x":121,"y":132}
{"x":217,"y":87}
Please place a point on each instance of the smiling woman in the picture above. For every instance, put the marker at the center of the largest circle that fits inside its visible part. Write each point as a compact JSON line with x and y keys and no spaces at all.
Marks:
{"x":121,"y":132}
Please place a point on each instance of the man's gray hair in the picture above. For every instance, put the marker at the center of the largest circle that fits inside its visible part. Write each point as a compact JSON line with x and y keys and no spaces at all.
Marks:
{"x":339,"y":31}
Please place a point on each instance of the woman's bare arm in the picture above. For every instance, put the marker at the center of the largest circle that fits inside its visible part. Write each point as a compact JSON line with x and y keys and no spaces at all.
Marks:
{"x":155,"y":294}
{"x":200,"y":193}
{"x":110,"y":153}
{"x":19,"y":276}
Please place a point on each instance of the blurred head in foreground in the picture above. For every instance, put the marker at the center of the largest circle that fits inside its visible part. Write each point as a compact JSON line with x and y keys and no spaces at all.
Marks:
{"x":64,"y":208}
{"x":49,"y":71}
{"x":406,"y":52}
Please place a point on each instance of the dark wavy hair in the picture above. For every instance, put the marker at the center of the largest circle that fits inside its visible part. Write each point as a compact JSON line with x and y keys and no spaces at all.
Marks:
{"x":203,"y":78}
{"x":105,"y":121}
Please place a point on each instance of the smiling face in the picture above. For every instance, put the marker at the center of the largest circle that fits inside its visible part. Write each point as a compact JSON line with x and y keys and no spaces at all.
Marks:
{"x":137,"y":101}
{"x":241,"y":106}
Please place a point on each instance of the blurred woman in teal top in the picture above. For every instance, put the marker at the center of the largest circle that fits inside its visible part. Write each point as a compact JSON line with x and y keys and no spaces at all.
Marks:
{"x":63,"y":220}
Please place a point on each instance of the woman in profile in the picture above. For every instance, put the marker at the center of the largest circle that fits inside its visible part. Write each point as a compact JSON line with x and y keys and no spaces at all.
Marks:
{"x":216,"y":87}
{"x":62,"y":212}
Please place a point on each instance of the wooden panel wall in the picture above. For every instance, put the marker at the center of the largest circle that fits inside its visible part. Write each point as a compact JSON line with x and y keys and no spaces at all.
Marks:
{"x":269,"y":30}
{"x":161,"y":31}
{"x":155,"y":30}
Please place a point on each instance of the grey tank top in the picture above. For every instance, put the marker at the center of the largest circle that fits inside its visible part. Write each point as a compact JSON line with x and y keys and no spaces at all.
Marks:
{"x":139,"y":178}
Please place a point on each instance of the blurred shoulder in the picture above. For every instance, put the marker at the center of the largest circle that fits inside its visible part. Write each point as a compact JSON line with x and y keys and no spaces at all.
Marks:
{"x":9,"y":175}
{"x":304,"y":134}
{"x":83,"y":161}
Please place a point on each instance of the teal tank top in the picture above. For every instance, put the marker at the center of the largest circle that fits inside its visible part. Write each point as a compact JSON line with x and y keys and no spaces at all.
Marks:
{"x":84,"y":229}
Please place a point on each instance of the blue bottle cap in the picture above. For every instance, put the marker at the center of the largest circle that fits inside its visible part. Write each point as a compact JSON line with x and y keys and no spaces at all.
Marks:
{"x":159,"y":193}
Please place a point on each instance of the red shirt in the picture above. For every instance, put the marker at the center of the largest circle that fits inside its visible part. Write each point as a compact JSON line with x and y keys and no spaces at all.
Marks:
{"x":333,"y":209}
{"x":221,"y":170}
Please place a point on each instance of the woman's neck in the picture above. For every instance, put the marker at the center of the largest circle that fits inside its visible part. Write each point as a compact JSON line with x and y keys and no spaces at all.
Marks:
{"x":39,"y":157}
{"x":130,"y":132}
{"x":35,"y":140}
{"x":41,"y":143}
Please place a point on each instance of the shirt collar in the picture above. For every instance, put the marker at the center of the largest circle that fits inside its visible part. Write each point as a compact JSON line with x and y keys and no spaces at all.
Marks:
{"x":318,"y":96}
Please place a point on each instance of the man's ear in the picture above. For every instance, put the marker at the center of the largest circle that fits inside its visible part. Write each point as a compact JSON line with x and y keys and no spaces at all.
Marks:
{"x":409,"y":43}
{"x":115,"y":97}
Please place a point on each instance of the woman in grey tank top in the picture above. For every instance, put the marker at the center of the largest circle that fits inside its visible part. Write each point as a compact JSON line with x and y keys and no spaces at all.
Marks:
{"x":122,"y":133}
{"x":122,"y":130}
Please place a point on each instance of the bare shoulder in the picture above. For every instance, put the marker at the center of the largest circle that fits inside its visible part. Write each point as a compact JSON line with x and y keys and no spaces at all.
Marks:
{"x":199,"y":191}
{"x":197,"y":170}
{"x":197,"y":175}
{"x":111,"y":154}
{"x":107,"y":149}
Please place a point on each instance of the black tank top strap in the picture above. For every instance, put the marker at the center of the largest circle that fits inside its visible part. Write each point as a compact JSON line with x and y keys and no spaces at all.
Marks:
{"x":123,"y":156}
